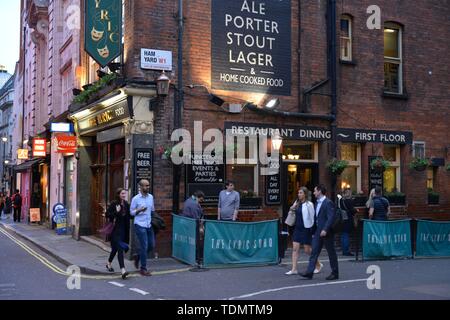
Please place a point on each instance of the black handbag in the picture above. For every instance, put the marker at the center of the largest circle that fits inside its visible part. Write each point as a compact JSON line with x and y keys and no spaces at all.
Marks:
{"x":158,"y":222}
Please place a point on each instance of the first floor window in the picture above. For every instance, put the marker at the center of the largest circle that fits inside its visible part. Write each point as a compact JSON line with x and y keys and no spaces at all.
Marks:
{"x":245,"y":178}
{"x":391,"y":177}
{"x":351,"y":177}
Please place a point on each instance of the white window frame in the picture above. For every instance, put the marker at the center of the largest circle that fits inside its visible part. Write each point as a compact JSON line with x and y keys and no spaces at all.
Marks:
{"x":315,"y":153}
{"x":349,"y":38}
{"x":397,"y":165}
{"x":396,"y":60}
{"x":422,"y":143}
{"x":356,"y":164}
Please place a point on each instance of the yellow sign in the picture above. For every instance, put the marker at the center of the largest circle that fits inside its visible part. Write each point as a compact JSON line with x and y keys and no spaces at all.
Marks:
{"x":35,"y":215}
{"x":22,"y":154}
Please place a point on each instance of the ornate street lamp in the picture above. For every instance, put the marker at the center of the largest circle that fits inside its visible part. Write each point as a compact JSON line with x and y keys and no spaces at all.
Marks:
{"x":276,"y":142}
{"x":162,"y":85}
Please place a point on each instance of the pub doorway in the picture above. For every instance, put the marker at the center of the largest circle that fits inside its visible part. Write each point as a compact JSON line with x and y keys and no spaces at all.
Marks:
{"x":107,"y":177}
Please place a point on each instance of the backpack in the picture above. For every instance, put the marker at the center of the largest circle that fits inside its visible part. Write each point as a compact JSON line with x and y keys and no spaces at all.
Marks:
{"x":341,"y":217}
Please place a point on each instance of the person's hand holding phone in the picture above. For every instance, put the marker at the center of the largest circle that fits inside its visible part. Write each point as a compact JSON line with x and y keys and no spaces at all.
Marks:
{"x":142,"y":209}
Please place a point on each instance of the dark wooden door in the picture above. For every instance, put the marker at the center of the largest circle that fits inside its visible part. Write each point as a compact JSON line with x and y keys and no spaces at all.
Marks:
{"x":98,"y":203}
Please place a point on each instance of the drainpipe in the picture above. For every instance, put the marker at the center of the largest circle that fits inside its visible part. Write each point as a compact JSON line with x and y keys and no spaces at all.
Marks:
{"x":332,"y":66}
{"x":178,"y":112}
{"x":301,"y":109}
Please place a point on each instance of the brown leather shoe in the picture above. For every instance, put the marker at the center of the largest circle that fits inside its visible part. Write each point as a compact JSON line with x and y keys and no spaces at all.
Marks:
{"x":145,"y":273}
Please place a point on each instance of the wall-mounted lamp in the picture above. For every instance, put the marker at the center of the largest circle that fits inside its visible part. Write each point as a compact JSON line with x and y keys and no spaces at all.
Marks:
{"x":273,"y":103}
{"x":114,"y":66}
{"x":4,"y":139}
{"x":101,"y":74}
{"x":276,"y":142}
{"x":162,"y":84}
{"x":76,"y":91}
{"x":216,"y":100}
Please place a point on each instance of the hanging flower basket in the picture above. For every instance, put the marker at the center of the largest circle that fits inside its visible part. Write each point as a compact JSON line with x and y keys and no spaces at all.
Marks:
{"x":379,"y":164}
{"x":419,"y":164}
{"x":337,"y":166}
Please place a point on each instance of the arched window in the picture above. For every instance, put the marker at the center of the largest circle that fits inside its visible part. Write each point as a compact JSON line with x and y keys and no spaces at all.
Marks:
{"x":393,"y":61}
{"x":346,"y":37}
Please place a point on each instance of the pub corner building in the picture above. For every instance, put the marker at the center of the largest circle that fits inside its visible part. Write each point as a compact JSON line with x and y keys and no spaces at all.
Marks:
{"x":310,"y":71}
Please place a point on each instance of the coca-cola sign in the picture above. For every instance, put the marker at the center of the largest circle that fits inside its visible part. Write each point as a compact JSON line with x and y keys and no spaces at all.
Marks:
{"x":66,"y":144}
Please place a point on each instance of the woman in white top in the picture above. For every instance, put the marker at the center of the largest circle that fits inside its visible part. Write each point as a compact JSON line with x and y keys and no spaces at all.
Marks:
{"x":304,"y":221}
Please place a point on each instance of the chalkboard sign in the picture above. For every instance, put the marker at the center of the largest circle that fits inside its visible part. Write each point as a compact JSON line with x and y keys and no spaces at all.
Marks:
{"x":251,"y":50}
{"x":205,"y":176}
{"x":375,"y":176}
{"x":143,"y":168}
{"x":273,"y":185}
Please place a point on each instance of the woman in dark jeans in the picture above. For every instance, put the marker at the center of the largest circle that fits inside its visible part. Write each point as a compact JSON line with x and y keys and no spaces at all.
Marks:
{"x":119,"y":213}
{"x":346,"y":203}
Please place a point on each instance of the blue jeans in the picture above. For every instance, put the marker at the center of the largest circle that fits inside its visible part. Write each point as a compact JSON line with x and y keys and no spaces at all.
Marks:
{"x":345,"y":242}
{"x":146,"y":239}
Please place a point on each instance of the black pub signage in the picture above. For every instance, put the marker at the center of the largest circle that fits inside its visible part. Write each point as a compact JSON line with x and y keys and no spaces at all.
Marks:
{"x":375,"y":176}
{"x":374,"y":136}
{"x":143,"y":168}
{"x":251,"y":50}
{"x":104,"y":118}
{"x":273,"y":185}
{"x":205,"y":175}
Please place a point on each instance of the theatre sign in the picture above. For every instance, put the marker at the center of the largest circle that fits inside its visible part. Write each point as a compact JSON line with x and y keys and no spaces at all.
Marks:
{"x":251,"y":50}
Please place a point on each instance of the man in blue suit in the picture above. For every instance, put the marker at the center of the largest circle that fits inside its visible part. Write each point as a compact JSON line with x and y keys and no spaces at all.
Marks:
{"x":323,"y":234}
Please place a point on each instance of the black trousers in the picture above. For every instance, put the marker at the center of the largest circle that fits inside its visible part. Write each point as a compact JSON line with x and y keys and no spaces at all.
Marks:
{"x":116,"y":249}
{"x":317,"y":245}
{"x":17,"y":214}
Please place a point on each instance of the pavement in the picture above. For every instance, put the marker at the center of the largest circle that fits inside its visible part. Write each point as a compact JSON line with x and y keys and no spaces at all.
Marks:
{"x":89,"y":254}
{"x":28,"y":273}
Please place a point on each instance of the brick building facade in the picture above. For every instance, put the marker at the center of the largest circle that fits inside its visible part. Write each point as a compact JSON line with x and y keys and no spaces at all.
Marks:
{"x":391,"y":82}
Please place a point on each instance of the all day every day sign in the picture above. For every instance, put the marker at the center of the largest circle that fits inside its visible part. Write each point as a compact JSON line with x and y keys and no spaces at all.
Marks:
{"x":251,"y":50}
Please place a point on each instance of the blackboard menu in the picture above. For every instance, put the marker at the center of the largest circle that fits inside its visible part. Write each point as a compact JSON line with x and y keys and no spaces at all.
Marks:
{"x":204,"y":175}
{"x":143,"y":168}
{"x":251,"y":50}
{"x":375,"y":176}
{"x":273,"y":185}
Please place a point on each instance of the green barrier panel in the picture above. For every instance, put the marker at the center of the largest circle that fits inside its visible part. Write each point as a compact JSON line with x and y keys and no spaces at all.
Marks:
{"x":239,"y":243}
{"x":384,"y":239}
{"x":433,"y":238}
{"x":184,"y":239}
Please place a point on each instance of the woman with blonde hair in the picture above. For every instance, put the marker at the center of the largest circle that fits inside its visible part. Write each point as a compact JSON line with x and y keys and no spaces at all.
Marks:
{"x":304,"y":221}
{"x":369,"y":202}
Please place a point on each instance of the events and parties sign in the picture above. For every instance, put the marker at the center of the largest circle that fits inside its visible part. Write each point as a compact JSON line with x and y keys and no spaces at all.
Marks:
{"x":103,"y":30}
{"x":384,"y":239}
{"x":39,"y":147}
{"x":205,"y":175}
{"x":433,"y":238}
{"x":184,"y":239}
{"x":238,"y":243}
{"x":251,"y":50}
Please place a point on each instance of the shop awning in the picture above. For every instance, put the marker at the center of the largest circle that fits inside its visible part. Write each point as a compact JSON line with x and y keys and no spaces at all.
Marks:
{"x":27,"y":165}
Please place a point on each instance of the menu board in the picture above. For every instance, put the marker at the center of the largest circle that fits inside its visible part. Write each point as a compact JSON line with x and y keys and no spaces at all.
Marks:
{"x":375,"y":176}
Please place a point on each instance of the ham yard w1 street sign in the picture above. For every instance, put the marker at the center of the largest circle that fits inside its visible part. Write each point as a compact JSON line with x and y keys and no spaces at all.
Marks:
{"x":103,"y":30}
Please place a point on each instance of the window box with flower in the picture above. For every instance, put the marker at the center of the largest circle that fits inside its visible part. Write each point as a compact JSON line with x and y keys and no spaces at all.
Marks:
{"x":433,"y":196}
{"x":249,"y":200}
{"x":395,"y":198}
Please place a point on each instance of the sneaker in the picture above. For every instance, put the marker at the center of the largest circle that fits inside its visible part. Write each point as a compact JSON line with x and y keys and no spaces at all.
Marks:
{"x":317,"y":270}
{"x":290,"y":272}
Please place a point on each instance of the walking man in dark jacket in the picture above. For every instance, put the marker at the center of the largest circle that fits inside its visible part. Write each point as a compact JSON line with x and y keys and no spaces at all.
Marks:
{"x":17,"y":204}
{"x":323,"y":234}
